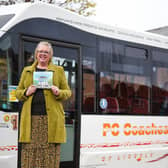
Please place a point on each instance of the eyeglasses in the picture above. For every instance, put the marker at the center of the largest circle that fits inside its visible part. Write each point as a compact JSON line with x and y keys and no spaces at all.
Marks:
{"x":43,"y":52}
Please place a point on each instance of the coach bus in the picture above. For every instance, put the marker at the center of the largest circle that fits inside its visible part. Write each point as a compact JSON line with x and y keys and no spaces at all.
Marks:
{"x":117,"y":115}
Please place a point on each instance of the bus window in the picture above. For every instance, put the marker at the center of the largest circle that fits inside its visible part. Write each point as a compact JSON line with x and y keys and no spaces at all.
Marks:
{"x":124,"y":94}
{"x":89,"y":97}
{"x":159,"y":56}
{"x":3,"y":80}
{"x":5,"y":18}
{"x":8,"y":76}
{"x":136,"y":53}
{"x":160,"y":91}
{"x":28,"y":54}
{"x":124,"y":85}
{"x":70,"y":73}
{"x":159,"y":82}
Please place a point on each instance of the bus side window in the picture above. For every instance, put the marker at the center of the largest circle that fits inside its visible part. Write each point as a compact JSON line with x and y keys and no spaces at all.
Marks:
{"x":8,"y":77}
{"x":140,"y":104}
{"x":124,"y":94}
{"x":89,"y":97}
{"x":159,"y":82}
{"x":160,"y":92}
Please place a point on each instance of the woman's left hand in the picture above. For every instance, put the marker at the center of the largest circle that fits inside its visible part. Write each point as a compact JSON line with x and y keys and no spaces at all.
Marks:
{"x":55,"y":90}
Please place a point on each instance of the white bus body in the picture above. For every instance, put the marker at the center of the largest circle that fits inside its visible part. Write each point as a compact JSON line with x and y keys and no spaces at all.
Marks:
{"x":105,"y":141}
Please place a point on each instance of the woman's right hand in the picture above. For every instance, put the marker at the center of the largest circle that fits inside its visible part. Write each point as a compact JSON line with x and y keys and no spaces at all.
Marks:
{"x":31,"y":89}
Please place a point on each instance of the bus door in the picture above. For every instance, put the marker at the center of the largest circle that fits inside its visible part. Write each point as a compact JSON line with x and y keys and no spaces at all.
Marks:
{"x":66,"y":55}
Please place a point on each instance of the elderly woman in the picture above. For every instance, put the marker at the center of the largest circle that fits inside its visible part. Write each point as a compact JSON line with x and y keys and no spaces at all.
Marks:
{"x":42,"y":124}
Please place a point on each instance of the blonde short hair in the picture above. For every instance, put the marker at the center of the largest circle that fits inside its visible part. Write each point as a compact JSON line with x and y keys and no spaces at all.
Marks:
{"x":46,"y":43}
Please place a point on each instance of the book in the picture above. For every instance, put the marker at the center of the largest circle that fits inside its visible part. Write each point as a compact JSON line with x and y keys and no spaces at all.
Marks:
{"x":43,"y":80}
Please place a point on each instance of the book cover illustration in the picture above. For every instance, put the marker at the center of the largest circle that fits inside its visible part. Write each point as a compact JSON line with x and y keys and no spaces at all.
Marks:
{"x":43,"y":79}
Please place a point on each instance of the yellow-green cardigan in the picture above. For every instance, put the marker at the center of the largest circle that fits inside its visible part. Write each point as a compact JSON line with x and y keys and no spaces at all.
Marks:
{"x":54,"y":108}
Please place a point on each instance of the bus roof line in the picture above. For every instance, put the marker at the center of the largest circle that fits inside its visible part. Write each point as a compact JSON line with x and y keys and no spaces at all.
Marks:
{"x":53,"y":12}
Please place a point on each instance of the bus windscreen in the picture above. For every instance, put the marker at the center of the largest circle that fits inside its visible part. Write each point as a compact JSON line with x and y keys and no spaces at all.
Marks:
{"x":5,"y":18}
